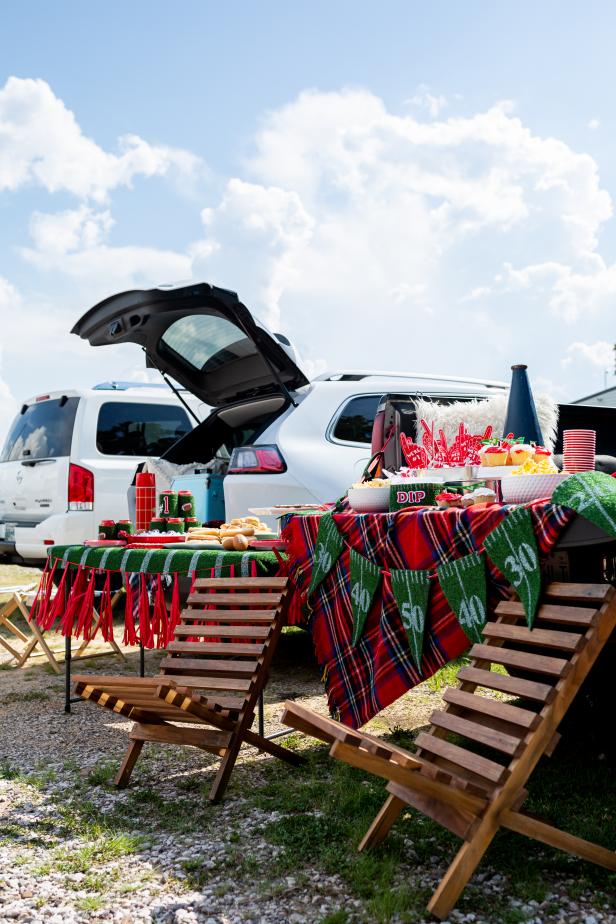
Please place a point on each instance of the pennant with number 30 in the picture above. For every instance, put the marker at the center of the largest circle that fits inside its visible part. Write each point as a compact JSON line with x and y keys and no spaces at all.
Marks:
{"x":513,"y":549}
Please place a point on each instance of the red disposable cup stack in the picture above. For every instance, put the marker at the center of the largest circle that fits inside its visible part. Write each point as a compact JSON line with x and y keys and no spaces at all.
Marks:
{"x":579,"y":450}
{"x":145,"y":499}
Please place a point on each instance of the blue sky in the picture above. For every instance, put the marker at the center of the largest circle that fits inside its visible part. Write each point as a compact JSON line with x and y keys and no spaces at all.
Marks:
{"x":438,"y":175}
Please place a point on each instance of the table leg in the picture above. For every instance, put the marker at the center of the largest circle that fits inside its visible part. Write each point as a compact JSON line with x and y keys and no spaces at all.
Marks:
{"x":141,"y":660}
{"x":67,"y":674}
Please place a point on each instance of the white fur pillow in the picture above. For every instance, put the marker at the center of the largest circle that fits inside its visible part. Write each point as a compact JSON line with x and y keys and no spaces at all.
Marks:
{"x":477,"y":415}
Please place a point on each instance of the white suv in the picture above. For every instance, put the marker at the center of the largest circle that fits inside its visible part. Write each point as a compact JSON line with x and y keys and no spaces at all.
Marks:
{"x":70,"y":456}
{"x":281,"y":438}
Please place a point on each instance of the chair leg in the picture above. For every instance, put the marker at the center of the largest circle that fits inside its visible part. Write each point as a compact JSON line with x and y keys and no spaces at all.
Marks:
{"x":462,"y":868}
{"x":39,"y":640}
{"x":380,"y":827}
{"x":130,"y":759}
{"x":224,"y":771}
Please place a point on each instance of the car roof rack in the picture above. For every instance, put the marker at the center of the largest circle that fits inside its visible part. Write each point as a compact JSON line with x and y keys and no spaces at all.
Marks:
{"x":357,"y":375}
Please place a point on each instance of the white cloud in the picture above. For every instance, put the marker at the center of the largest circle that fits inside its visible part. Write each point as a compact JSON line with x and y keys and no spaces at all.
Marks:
{"x":373,"y":237}
{"x":600,"y":354}
{"x":42,"y":143}
{"x":10,"y":302}
{"x":424,"y":99}
{"x":593,"y":124}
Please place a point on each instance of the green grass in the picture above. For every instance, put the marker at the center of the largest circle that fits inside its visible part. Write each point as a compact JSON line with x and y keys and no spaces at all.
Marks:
{"x":326,"y":808}
{"x":90,"y":903}
{"x":28,"y":696}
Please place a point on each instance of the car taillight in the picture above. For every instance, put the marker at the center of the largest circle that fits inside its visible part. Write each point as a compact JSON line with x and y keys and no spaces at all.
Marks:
{"x":80,"y":488}
{"x":256,"y":460}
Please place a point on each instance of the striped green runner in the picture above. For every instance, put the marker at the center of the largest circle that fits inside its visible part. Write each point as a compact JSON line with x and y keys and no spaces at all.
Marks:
{"x":162,"y":561}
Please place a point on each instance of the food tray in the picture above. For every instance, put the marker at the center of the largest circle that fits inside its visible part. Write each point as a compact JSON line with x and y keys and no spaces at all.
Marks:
{"x":160,"y":539}
{"x":104,"y":543}
{"x":521,"y":489}
{"x":267,"y":544}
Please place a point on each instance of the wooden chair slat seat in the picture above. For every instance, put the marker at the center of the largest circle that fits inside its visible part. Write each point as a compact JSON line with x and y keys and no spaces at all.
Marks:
{"x":204,"y":681}
{"x":578,"y":616}
{"x":537,"y":638}
{"x":255,"y":617}
{"x":217,"y":648}
{"x":524,"y":660}
{"x":466,"y":792}
{"x":514,"y":715}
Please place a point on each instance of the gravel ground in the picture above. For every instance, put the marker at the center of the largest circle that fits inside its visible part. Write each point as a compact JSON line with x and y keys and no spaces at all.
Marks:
{"x":74,"y":850}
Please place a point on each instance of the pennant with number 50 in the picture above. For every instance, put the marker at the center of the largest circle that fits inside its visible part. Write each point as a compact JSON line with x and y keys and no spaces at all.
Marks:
{"x":411,"y":591}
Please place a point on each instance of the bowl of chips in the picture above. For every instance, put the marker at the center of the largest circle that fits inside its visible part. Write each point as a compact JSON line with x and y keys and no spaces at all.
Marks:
{"x":370,"y":496}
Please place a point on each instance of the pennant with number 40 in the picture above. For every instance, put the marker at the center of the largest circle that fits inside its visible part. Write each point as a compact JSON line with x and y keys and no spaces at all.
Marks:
{"x":365,"y":577}
{"x":464,"y":584}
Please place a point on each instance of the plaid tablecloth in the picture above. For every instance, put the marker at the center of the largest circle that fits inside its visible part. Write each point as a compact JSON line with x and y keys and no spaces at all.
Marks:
{"x":363,"y":679}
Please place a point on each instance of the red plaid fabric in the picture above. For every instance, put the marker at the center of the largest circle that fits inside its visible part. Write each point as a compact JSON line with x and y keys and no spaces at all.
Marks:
{"x":364,"y":679}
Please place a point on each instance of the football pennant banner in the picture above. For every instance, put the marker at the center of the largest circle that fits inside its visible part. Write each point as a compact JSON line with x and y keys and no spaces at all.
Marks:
{"x":411,"y":590}
{"x":464,"y":584}
{"x":513,"y":549}
{"x":365,"y":577}
{"x":592,"y":495}
{"x":327,"y":550}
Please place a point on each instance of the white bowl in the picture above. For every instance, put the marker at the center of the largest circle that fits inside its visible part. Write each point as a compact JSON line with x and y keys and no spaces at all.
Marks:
{"x":520,"y":489}
{"x":369,"y":500}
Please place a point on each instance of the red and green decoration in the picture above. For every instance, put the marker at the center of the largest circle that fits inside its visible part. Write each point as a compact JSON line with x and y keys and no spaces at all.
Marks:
{"x":411,"y":590}
{"x":463,"y":582}
{"x":365,"y":577}
{"x":75,"y":590}
{"x":593,"y":496}
{"x":328,"y":548}
{"x":513,"y":549}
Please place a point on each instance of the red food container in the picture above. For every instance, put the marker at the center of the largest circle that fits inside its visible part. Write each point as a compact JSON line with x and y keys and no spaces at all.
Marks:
{"x":145,"y":497}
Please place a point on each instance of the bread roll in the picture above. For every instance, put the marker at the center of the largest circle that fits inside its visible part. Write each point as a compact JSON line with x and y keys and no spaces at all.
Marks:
{"x":228,"y":543}
{"x":240,"y":543}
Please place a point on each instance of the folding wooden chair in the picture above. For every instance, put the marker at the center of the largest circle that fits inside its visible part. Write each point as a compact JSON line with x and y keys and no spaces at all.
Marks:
{"x":32,"y":636}
{"x":471,"y":793}
{"x":20,"y":600}
{"x":214,"y":673}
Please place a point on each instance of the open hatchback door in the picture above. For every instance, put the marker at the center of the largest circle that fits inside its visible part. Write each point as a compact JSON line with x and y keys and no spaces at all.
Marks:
{"x":201,"y":336}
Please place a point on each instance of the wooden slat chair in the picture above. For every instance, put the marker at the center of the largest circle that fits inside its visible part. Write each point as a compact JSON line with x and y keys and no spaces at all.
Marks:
{"x":32,"y":636}
{"x":212,"y":676}
{"x":475,"y":793}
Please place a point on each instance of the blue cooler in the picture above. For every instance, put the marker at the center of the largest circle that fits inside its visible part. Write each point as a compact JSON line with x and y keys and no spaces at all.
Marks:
{"x":208,"y":492}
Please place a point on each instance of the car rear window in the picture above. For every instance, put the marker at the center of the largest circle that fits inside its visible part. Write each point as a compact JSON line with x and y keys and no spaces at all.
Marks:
{"x":354,"y":425}
{"x":132,"y":429}
{"x":43,"y":430}
{"x":207,"y":342}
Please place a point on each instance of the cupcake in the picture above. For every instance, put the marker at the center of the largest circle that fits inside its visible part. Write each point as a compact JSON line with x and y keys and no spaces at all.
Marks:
{"x":468,"y":499}
{"x":484,"y":496}
{"x":448,"y":499}
{"x":519,"y":453}
{"x":493,"y":455}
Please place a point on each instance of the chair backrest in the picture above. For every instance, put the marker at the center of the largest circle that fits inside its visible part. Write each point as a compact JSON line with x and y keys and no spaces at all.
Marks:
{"x":545,"y":667}
{"x":225,"y":640}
